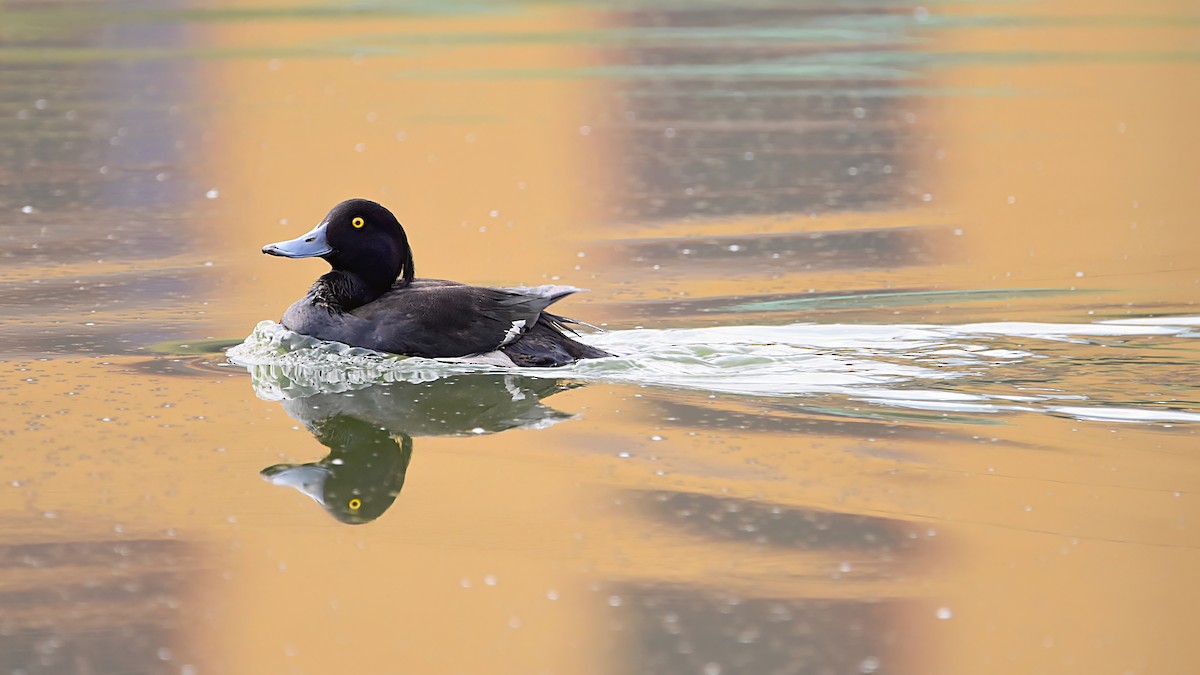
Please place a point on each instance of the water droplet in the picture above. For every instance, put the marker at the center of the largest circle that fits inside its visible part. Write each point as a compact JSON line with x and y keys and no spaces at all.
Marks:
{"x":614,"y":601}
{"x":944,"y":613}
{"x":551,"y":594}
{"x":212,"y":194}
{"x":868,"y":665}
{"x":27,"y":209}
{"x":489,"y":580}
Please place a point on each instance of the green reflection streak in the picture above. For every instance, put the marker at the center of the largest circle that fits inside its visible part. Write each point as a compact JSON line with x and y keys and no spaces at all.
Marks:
{"x":889,"y":299}
{"x":868,"y":411}
{"x":188,"y":347}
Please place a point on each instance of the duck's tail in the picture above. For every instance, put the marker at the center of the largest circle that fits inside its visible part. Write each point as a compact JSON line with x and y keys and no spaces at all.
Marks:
{"x":564,"y":323}
{"x":546,"y":344}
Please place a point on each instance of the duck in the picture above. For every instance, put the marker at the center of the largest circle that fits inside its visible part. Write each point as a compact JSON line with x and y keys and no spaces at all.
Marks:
{"x":371,"y":299}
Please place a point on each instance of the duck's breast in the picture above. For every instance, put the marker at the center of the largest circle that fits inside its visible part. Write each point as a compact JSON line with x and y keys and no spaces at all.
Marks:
{"x":320,"y":322}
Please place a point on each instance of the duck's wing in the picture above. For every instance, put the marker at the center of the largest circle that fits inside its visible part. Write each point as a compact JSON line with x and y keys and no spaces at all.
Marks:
{"x":446,"y":320}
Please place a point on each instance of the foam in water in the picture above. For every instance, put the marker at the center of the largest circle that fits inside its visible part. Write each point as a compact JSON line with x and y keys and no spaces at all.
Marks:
{"x":959,"y":369}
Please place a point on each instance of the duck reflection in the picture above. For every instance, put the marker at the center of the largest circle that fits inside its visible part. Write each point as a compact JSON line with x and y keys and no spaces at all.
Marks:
{"x":369,"y":433}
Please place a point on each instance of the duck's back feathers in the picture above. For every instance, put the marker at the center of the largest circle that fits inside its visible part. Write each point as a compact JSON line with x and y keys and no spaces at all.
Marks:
{"x":435,"y":318}
{"x":370,"y":299}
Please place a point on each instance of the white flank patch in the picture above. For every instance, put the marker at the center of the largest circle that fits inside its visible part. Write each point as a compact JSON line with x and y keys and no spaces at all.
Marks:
{"x":514,"y":332}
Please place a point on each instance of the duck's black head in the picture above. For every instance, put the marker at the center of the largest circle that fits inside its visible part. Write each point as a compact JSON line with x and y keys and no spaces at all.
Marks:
{"x":358,"y":237}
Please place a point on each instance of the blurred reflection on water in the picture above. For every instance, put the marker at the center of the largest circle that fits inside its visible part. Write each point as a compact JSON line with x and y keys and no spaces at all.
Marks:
{"x":369,"y":433}
{"x":95,"y":170}
{"x":744,"y":111}
{"x":911,"y":491}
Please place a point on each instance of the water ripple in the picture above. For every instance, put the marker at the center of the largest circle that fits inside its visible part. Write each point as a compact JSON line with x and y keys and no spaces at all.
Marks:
{"x":983,"y":368}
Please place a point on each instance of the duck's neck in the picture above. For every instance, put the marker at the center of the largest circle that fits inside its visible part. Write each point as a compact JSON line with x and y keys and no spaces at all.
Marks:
{"x":343,"y":291}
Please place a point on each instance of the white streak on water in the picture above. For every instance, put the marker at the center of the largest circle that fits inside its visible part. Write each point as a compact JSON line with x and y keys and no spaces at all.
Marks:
{"x":1113,"y":414}
{"x":905,"y":366}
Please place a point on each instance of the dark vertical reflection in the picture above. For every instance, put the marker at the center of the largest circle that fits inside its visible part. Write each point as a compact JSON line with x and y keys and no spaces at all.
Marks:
{"x":93,"y":606}
{"x":764,"y":111}
{"x":93,"y":174}
{"x":708,"y":628}
{"x":91,"y":178}
{"x":761,"y":110}
{"x":681,"y":630}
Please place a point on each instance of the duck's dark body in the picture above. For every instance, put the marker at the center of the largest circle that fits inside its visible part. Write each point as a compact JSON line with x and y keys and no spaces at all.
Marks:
{"x":435,"y":318}
{"x":371,"y":300}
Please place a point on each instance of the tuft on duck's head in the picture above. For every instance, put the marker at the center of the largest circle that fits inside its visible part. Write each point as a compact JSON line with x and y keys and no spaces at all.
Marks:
{"x":359,"y":237}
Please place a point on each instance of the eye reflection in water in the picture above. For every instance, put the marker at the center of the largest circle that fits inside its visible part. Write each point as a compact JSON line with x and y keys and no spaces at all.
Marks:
{"x":369,"y":433}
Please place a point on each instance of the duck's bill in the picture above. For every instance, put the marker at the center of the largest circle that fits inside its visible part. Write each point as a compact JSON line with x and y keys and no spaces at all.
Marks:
{"x":307,"y":478}
{"x":312,"y":244}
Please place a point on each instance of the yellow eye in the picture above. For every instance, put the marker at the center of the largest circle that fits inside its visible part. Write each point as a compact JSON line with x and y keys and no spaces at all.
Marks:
{"x":357,"y":222}
{"x":355,"y":504}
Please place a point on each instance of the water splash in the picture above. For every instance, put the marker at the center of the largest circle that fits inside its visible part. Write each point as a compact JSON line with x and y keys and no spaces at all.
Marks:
{"x":982,"y":368}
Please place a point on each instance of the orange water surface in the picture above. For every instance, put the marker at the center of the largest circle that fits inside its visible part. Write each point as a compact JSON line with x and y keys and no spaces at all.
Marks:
{"x":692,"y":164}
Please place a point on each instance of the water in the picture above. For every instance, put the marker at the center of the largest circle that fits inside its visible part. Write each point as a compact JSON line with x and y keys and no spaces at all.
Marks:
{"x":956,"y":369}
{"x":902,"y":298}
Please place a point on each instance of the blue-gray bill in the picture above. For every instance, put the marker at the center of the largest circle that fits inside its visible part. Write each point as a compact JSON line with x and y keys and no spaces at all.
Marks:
{"x":312,"y":244}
